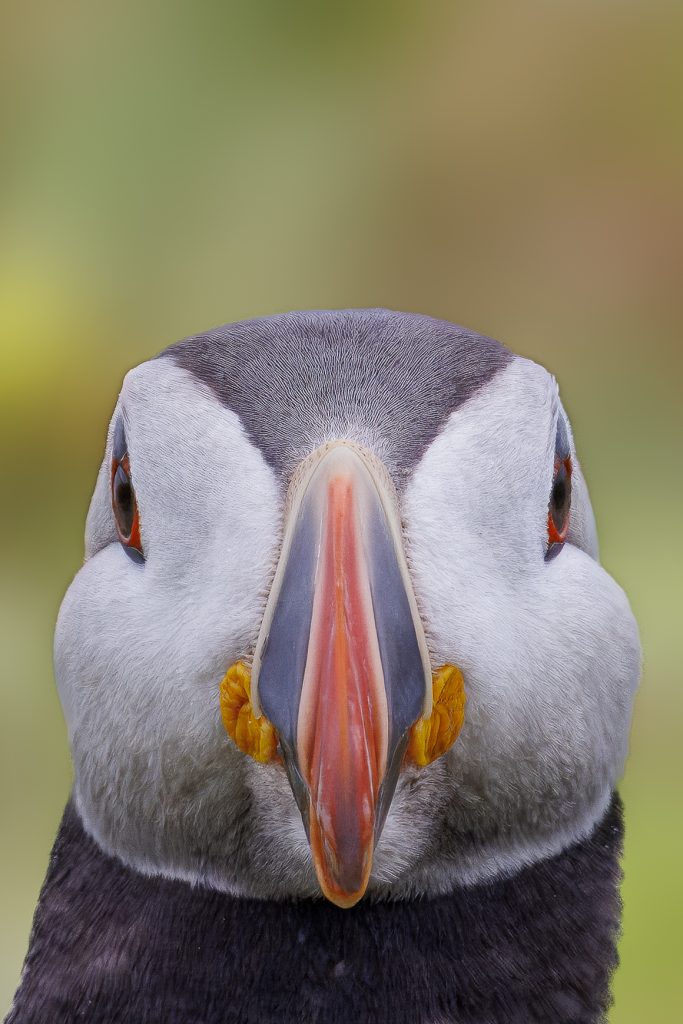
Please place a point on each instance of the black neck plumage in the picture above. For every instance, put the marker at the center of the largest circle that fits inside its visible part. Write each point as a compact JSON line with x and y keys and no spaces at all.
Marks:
{"x":110,"y":945}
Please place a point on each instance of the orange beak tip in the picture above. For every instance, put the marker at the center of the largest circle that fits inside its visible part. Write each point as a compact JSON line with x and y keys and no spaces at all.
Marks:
{"x":341,"y":896}
{"x":343,"y":900}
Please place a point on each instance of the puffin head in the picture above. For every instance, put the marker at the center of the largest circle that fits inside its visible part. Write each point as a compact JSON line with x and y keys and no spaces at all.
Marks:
{"x":341,"y":624}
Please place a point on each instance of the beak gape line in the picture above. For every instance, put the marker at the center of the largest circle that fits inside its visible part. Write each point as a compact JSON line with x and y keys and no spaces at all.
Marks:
{"x":341,"y":688}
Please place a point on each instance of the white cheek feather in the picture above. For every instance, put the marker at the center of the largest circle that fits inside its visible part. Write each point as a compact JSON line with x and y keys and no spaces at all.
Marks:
{"x":141,"y":649}
{"x":549,"y":650}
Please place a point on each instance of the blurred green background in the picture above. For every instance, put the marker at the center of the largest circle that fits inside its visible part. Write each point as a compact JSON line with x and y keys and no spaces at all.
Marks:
{"x":515,"y":167}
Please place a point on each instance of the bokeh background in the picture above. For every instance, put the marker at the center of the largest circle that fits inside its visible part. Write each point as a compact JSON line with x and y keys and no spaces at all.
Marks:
{"x":515,"y":167}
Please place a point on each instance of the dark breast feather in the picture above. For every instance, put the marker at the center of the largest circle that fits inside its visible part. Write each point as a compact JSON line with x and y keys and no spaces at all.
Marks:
{"x":110,"y":945}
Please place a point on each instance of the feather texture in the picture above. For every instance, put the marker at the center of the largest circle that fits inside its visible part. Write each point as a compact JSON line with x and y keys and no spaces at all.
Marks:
{"x":110,"y":945}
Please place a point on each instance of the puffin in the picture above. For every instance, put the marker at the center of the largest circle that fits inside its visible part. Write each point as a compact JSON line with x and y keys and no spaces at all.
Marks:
{"x":348,"y":694}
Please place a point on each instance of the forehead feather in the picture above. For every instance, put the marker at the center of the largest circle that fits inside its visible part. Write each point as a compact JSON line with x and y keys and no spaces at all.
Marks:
{"x":386,"y":379}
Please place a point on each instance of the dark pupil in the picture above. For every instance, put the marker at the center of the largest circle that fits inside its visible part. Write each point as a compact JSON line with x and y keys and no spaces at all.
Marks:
{"x":560,"y":499}
{"x":124,"y":502}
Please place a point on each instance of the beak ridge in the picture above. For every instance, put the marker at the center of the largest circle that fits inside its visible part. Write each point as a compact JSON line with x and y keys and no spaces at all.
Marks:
{"x":341,"y":667}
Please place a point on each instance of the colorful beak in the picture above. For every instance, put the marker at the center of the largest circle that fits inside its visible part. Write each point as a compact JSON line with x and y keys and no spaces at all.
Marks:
{"x":341,"y":666}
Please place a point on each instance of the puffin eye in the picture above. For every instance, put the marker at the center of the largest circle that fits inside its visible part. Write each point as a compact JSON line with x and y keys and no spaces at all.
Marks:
{"x":559,"y":506}
{"x":123,"y":500}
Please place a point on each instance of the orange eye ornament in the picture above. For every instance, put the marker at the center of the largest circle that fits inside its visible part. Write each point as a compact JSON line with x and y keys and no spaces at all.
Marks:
{"x":123,"y":500}
{"x":559,"y":506}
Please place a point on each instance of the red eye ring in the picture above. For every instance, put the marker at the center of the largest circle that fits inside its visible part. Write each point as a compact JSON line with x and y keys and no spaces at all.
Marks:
{"x":553,"y":536}
{"x":125,"y":506}
{"x":559,"y":507}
